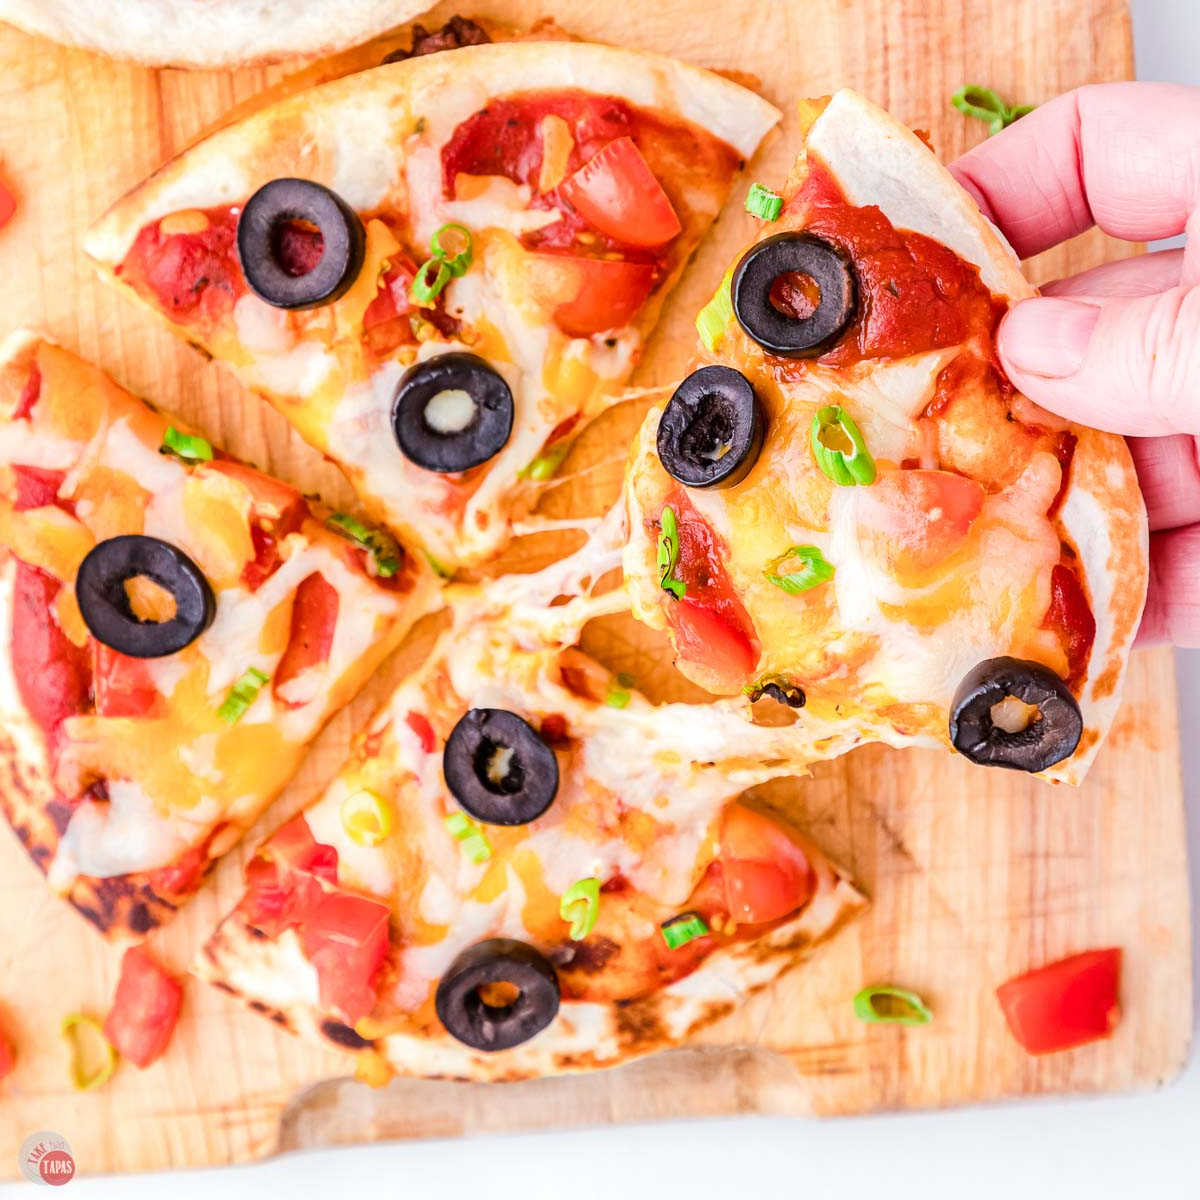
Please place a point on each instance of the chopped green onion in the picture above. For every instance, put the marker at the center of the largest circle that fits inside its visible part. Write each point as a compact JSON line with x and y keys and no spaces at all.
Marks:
{"x":580,"y":905}
{"x":984,"y":105}
{"x":242,"y":695}
{"x":618,"y":698}
{"x":425,"y":292}
{"x":475,"y":845}
{"x":547,"y":463}
{"x":715,"y":316}
{"x":762,"y":202}
{"x":680,"y":930}
{"x":812,"y":569}
{"x":440,"y":569}
{"x":381,"y":546}
{"x":845,"y":469}
{"x":912,"y":1010}
{"x":456,"y":262}
{"x":668,"y":554}
{"x":73,"y":1025}
{"x":187,"y":446}
{"x":366,"y":817}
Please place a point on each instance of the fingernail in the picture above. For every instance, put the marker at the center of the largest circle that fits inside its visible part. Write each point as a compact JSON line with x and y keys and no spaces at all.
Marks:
{"x":1048,"y":336}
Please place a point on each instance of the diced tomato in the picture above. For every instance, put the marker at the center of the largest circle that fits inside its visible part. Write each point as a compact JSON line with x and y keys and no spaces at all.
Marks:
{"x":53,"y":674}
{"x":766,"y":874}
{"x":611,"y":292}
{"x":265,"y":561}
{"x":144,"y":1010}
{"x":284,"y":880}
{"x":123,"y":686}
{"x":711,"y":626}
{"x":8,"y":204}
{"x":314,"y":622}
{"x":37,"y":487}
{"x":182,"y":877}
{"x":345,"y":937}
{"x":393,"y":299}
{"x":8,"y":1055}
{"x":1065,"y":1003}
{"x":914,"y":520}
{"x":1071,"y":616}
{"x":29,"y":395}
{"x":705,"y":635}
{"x":276,"y":505}
{"x":420,"y":725}
{"x":616,"y":192}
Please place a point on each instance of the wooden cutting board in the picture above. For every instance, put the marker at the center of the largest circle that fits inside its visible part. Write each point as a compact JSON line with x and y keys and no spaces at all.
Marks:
{"x":974,"y":874}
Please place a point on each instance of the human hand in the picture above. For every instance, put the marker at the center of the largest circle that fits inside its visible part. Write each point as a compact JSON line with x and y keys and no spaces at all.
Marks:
{"x":1117,"y":347}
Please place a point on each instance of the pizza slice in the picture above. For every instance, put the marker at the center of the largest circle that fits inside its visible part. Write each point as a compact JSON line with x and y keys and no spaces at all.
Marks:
{"x":440,"y":268}
{"x":527,"y":868}
{"x":848,"y":505}
{"x":177,"y":627}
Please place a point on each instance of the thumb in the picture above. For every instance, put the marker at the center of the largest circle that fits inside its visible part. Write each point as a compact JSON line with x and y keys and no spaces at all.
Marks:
{"x":1128,"y":364}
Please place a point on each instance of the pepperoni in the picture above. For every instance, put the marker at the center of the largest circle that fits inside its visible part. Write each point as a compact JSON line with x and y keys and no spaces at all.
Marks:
{"x":193,"y":277}
{"x":53,"y":674}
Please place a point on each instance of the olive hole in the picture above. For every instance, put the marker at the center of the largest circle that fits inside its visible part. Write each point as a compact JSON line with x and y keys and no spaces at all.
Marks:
{"x":834,"y":437}
{"x":498,"y":994}
{"x":498,"y":768}
{"x":450,"y":412}
{"x":709,"y":437}
{"x":296,"y":245}
{"x":146,"y":600}
{"x":1013,"y":715}
{"x":794,"y":294}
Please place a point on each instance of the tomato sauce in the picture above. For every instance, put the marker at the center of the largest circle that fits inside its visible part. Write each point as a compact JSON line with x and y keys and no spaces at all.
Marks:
{"x":914,"y":293}
{"x":1070,"y":616}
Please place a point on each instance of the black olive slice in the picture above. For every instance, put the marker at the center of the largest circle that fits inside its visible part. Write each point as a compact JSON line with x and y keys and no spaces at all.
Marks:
{"x":1050,"y":735}
{"x":452,"y":412}
{"x":821,"y":268}
{"x":498,"y":768}
{"x":263,"y":231}
{"x":104,"y":603}
{"x":712,"y":429}
{"x":520,"y":984}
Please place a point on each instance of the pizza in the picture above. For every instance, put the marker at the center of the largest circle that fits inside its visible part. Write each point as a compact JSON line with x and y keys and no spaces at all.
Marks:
{"x":177,"y":627}
{"x":208,"y":33}
{"x":847,"y":506}
{"x":526,"y":868}
{"x":439,"y":269}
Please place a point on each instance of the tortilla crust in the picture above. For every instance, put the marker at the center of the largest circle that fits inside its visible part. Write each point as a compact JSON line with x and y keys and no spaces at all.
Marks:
{"x":208,"y":33}
{"x":876,"y":161}
{"x":584,"y":1037}
{"x":327,"y":132}
{"x":120,"y":907}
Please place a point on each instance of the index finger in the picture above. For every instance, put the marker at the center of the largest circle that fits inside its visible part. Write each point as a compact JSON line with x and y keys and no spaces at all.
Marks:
{"x":1124,"y":156}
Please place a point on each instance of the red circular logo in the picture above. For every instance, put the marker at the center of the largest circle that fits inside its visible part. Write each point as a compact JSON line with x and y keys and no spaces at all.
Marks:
{"x":57,"y":1167}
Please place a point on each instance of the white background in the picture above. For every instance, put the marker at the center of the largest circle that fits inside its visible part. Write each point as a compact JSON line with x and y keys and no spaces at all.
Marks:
{"x":1129,"y":1146}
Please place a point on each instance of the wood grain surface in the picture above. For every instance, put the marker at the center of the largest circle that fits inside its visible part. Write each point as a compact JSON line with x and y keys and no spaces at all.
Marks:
{"x":974,"y":875}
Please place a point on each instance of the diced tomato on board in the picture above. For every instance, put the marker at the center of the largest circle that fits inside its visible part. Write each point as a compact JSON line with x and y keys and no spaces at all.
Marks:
{"x":144,"y":1010}
{"x":1065,"y":1003}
